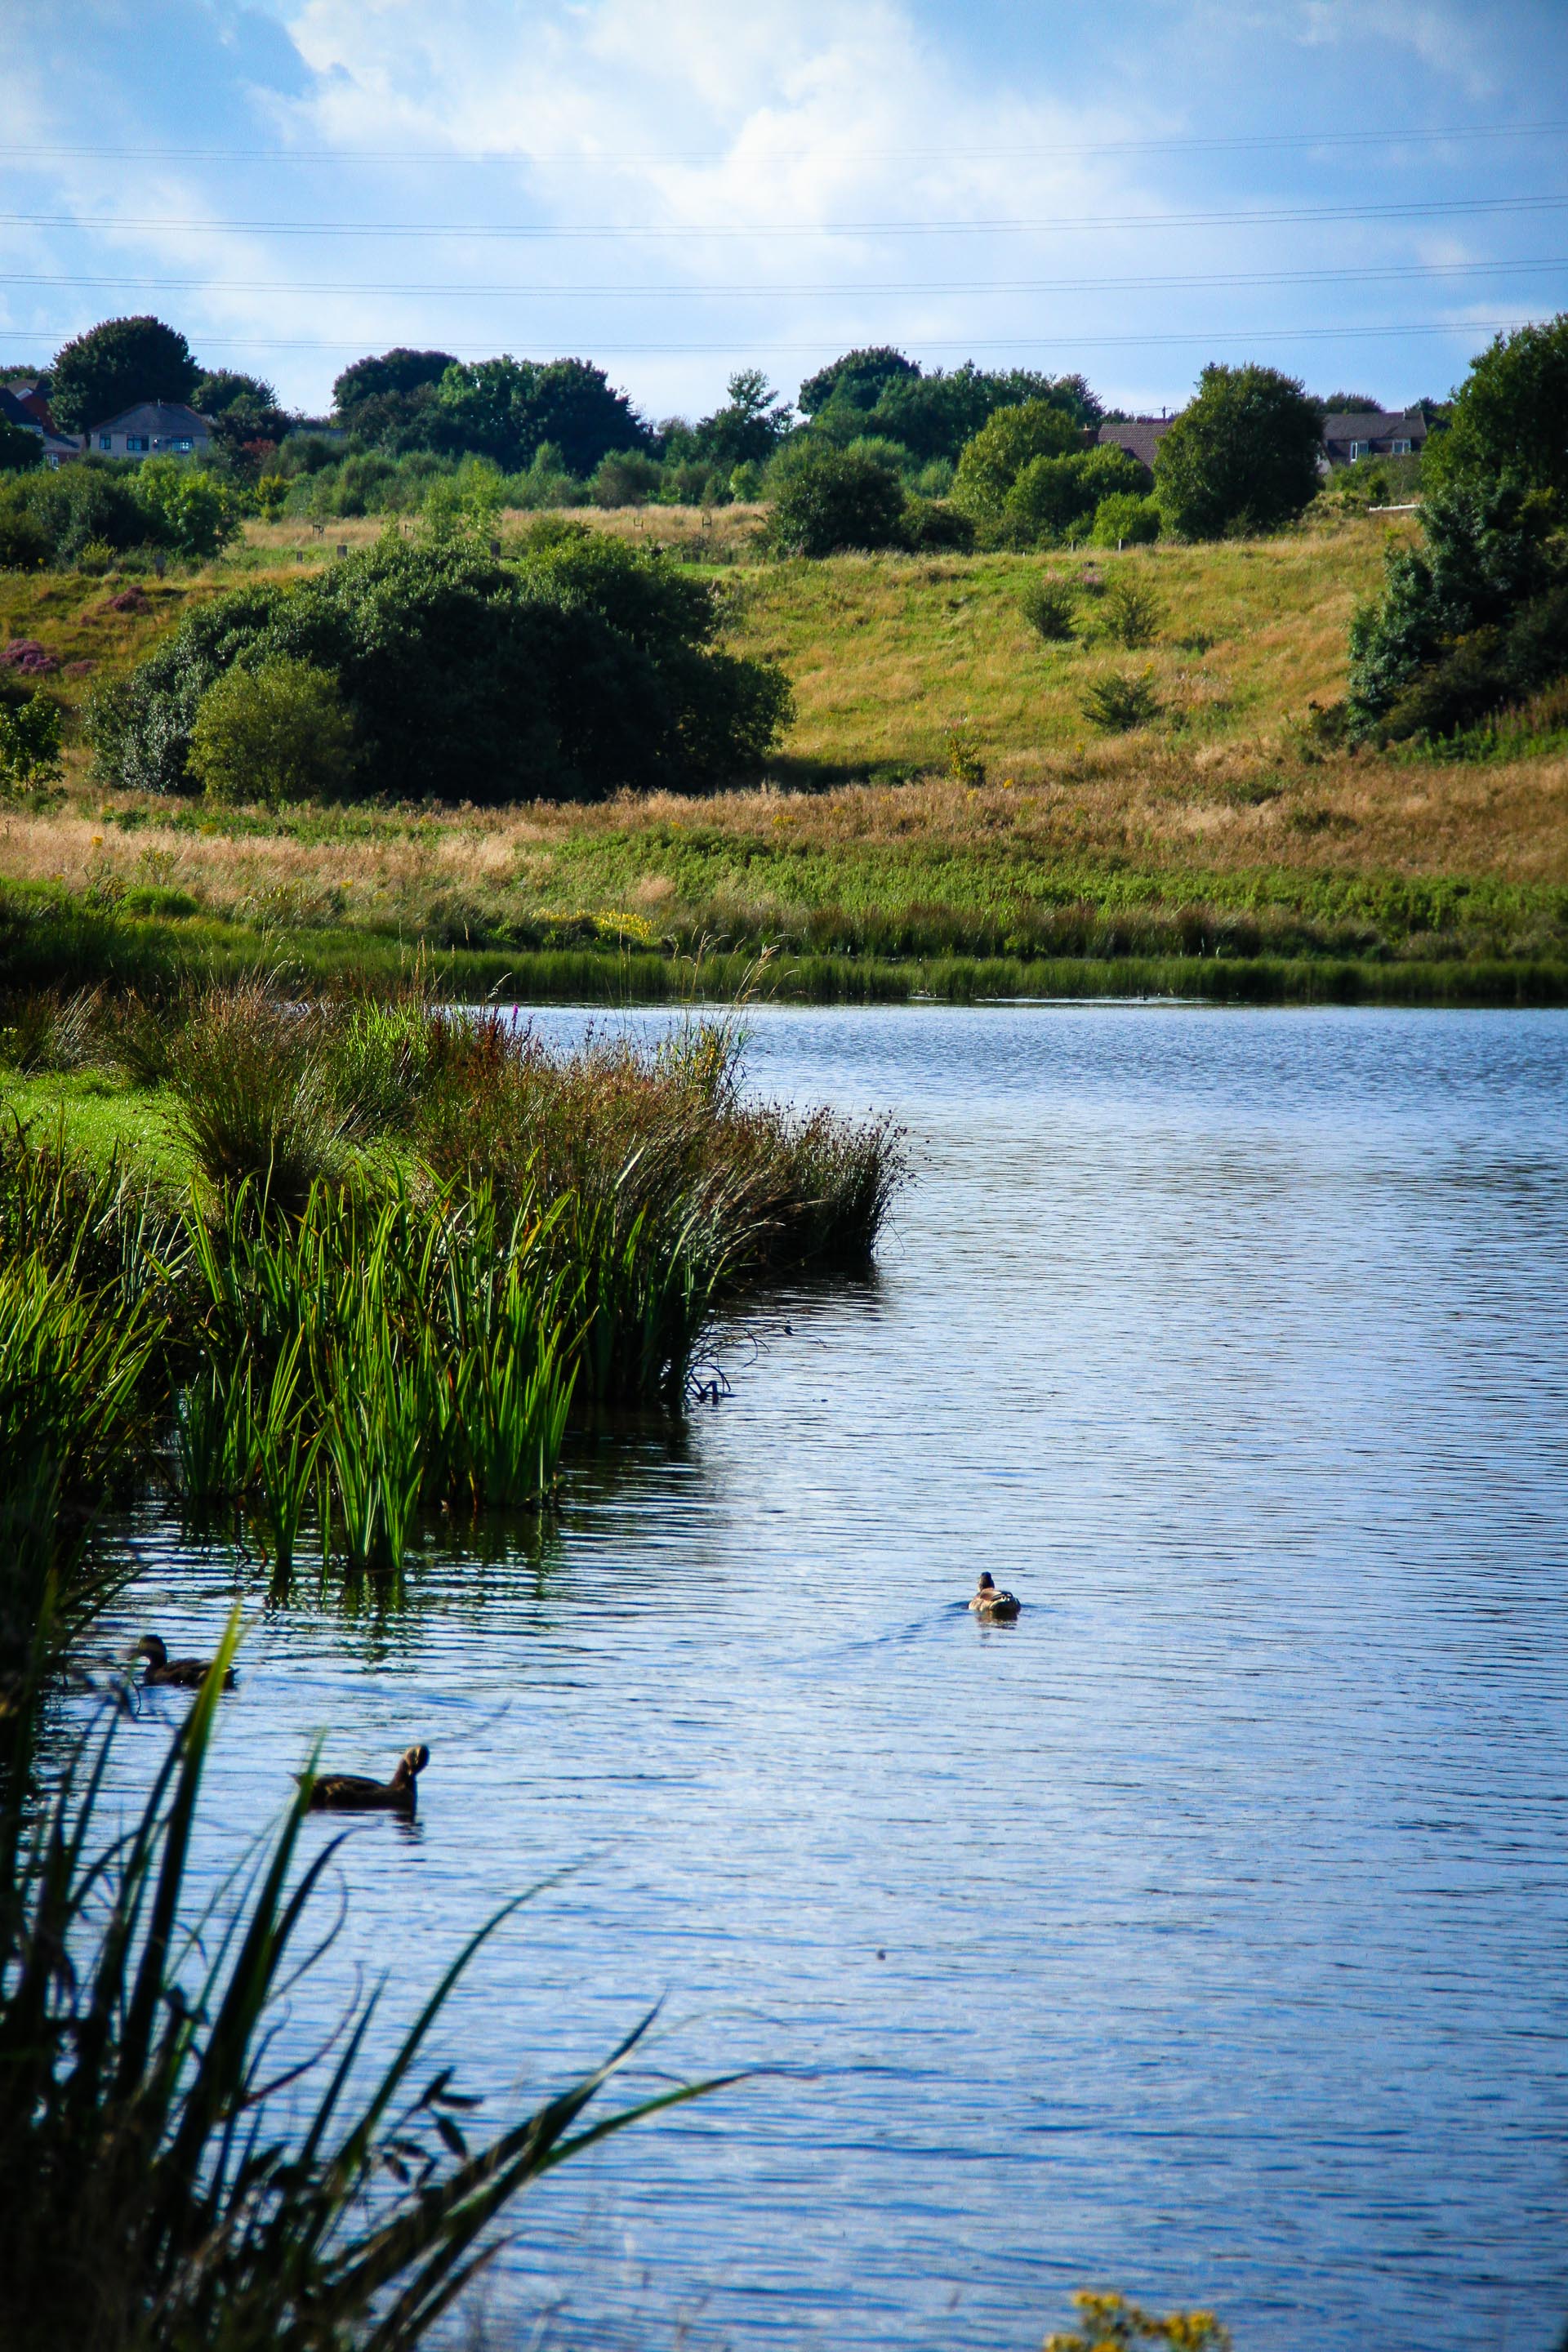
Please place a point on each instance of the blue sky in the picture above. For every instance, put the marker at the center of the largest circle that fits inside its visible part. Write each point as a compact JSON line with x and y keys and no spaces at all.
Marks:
{"x":677,"y":187}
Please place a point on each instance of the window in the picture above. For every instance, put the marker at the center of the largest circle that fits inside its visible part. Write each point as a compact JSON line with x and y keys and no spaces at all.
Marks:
{"x":183,"y":445}
{"x":104,"y":441}
{"x":1360,"y":449}
{"x":135,"y":444}
{"x":1402,"y":449}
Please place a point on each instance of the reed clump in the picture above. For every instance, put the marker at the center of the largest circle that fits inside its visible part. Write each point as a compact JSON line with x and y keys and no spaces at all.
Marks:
{"x":165,"y":2177}
{"x":416,"y":1240}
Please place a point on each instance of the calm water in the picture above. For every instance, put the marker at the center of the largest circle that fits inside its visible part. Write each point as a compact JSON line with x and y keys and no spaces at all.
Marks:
{"x":1203,"y":1933}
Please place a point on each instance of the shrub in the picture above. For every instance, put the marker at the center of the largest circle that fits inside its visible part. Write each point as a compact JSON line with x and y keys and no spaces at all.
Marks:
{"x":833,"y":499}
{"x":1242,"y":457}
{"x":624,"y":477}
{"x":1108,"y":2323}
{"x":1117,"y":703}
{"x":932,"y":524}
{"x":1131,"y":611}
{"x":273,"y":734}
{"x":992,"y":462}
{"x":1125,"y":519}
{"x":20,"y":451}
{"x":29,"y":743}
{"x":187,"y":509}
{"x":1050,"y":607}
{"x":965,"y":762}
{"x":1054,"y":498}
{"x":24,"y":542}
{"x":585,"y":667}
{"x":1485,"y":557}
{"x":73,"y":505}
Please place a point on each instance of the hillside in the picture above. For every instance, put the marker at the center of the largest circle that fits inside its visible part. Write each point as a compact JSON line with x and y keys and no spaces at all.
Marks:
{"x":1218,"y":830}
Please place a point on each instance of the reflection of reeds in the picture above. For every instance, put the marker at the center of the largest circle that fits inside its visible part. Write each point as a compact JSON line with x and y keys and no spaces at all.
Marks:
{"x":164,"y":2180}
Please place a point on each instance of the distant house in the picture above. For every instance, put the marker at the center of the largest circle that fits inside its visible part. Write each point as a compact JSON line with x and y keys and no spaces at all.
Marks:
{"x":1372,"y":433}
{"x":153,"y":428}
{"x":22,"y":408}
{"x":1139,"y":436}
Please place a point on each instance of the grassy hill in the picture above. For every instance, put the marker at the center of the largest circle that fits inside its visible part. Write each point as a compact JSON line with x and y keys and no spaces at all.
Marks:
{"x":943,"y":815}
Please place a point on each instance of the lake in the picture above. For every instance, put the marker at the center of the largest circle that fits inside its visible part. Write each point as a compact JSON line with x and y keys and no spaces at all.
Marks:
{"x":1203,"y":1935}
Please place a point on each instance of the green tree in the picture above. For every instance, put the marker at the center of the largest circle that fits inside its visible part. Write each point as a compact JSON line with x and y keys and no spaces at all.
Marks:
{"x":504,"y":408}
{"x":1510,"y":416}
{"x":1054,"y":498}
{"x":275,"y":733}
{"x":1242,"y":457}
{"x":399,"y":370}
{"x":1125,"y":519}
{"x":859,"y":379}
{"x":116,"y":364}
{"x":748,"y":428}
{"x":833,"y":500}
{"x":29,"y":743}
{"x":993,"y":461}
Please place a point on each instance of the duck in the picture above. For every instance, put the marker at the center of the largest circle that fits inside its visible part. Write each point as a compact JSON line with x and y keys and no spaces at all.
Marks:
{"x":182,"y":1673}
{"x":352,"y":1792}
{"x":997,"y":1608}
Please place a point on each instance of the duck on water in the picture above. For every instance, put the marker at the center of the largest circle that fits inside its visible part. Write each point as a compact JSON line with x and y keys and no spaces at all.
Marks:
{"x":179,"y":1674}
{"x":351,"y":1792}
{"x":991,"y":1604}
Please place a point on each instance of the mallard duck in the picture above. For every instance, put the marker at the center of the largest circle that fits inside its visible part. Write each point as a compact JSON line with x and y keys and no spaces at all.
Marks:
{"x":350,"y":1792}
{"x":185,"y":1673}
{"x":990,"y":1603}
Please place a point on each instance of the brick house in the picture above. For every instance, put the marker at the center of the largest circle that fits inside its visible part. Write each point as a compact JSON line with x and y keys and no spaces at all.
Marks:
{"x":153,"y":428}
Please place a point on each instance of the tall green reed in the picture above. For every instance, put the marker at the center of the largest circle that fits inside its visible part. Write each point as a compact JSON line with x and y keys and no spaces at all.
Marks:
{"x":164,"y":2181}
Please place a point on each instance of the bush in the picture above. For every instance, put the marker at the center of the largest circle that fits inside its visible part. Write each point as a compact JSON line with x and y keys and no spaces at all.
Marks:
{"x":1050,"y":607}
{"x":187,"y":510}
{"x":71,"y":506}
{"x":1484,"y":561}
{"x":1054,"y":498}
{"x":29,"y":743}
{"x":586,"y":667}
{"x":625,"y":478}
{"x":1242,"y":457}
{"x":992,"y":462}
{"x":1125,"y":519}
{"x":932,"y":525}
{"x":1117,"y":703}
{"x":24,"y":542}
{"x":273,"y":734}
{"x":1131,"y":611}
{"x":21,"y":452}
{"x":831,"y":500}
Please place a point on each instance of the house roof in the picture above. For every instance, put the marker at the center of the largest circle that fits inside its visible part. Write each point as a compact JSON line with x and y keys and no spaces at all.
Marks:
{"x":1375,"y":424}
{"x":157,"y":416}
{"x":1139,"y":436}
{"x":12,"y":410}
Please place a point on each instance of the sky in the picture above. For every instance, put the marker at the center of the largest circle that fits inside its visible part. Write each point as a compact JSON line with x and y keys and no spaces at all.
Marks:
{"x":1359,"y":195}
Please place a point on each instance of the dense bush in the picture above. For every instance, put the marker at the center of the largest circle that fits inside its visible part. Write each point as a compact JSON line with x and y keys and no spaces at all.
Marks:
{"x":1125,"y":519}
{"x":29,"y":742}
{"x":52,"y":516}
{"x":1057,"y":497}
{"x":274,"y":734}
{"x":186,"y":509}
{"x":1242,"y":457}
{"x":20,"y":451}
{"x":1469,"y":621}
{"x":831,"y":499}
{"x":584,"y":668}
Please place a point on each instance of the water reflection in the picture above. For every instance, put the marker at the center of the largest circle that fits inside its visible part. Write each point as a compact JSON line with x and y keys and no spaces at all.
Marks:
{"x":1203,"y":1932}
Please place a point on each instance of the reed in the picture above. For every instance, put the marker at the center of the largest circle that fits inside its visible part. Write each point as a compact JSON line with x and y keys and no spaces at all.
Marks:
{"x":163,"y":2181}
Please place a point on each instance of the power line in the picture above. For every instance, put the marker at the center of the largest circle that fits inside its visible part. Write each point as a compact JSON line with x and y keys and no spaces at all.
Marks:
{"x":527,"y":156}
{"x":774,"y":292}
{"x":1460,"y":327}
{"x":1278,"y":217}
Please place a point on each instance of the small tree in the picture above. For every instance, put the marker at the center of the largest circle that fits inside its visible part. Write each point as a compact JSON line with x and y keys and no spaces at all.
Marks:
{"x":1125,"y":519}
{"x":274,"y":734}
{"x":116,"y":364}
{"x":1242,"y":457}
{"x":1509,"y":417}
{"x":835,"y":499}
{"x":186,"y":509}
{"x":992,"y":462}
{"x":29,"y":743}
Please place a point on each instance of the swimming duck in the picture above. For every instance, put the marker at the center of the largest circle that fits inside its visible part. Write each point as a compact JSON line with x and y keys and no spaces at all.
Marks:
{"x":184,"y":1674}
{"x":350,"y":1792}
{"x":998,"y":1608}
